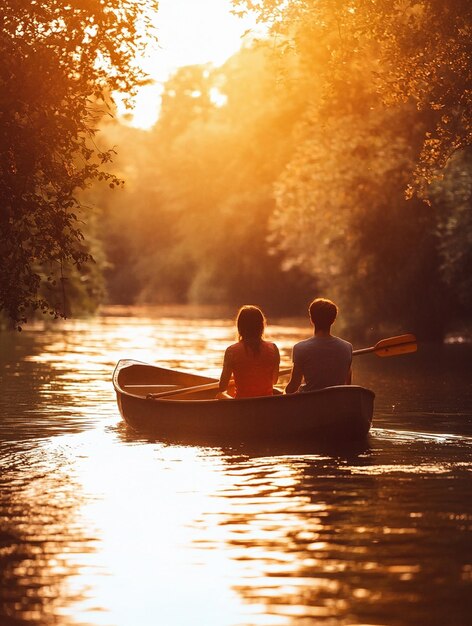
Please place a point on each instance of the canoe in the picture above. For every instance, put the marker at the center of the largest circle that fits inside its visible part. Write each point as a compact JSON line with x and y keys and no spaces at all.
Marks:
{"x":340,"y":413}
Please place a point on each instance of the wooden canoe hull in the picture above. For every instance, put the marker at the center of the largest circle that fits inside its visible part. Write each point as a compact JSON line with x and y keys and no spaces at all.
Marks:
{"x":343,"y":412}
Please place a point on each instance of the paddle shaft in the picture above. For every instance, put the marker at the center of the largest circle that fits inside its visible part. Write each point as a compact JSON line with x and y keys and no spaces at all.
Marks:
{"x":207,"y":387}
{"x":403,"y":344}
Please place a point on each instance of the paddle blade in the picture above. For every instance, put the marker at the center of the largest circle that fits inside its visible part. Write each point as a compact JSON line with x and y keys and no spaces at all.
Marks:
{"x":403,"y":344}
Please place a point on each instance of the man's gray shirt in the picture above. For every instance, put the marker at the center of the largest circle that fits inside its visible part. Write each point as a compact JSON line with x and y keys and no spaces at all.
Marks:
{"x":324,"y":361}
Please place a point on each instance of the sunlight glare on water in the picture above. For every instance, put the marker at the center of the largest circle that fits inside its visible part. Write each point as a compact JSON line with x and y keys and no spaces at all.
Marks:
{"x":146,"y":519}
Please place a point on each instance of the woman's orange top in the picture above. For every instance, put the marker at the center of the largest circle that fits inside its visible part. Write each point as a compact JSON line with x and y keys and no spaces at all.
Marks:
{"x":253,"y":371}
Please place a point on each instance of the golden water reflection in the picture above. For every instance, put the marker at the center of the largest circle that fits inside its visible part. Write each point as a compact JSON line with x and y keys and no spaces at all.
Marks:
{"x":186,"y":533}
{"x":99,"y":526}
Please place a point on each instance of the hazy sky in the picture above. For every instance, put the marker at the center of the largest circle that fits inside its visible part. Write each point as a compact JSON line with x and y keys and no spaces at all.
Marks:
{"x":190,"y":32}
{"x":198,"y":31}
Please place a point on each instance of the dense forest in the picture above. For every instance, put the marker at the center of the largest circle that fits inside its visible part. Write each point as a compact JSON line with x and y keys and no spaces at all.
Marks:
{"x":332,"y":159}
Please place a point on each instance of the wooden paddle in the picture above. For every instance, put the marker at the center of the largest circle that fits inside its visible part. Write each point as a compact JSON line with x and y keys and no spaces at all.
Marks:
{"x":392,"y":346}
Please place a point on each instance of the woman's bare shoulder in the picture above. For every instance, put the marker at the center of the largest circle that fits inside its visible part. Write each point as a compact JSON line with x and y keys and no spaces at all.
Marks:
{"x":234,"y":347}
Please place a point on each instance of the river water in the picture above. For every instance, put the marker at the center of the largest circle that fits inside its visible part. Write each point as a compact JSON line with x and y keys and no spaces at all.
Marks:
{"x":99,"y":526}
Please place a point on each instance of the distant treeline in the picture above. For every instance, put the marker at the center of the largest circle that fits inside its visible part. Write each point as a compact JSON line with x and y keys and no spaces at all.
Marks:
{"x":193,"y":221}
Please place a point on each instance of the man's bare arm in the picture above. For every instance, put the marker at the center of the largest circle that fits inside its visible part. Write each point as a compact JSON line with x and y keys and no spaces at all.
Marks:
{"x":295,"y":380}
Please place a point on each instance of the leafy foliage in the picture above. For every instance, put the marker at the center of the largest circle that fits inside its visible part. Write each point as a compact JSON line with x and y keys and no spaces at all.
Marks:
{"x":390,"y":87}
{"x":453,"y":194}
{"x":60,"y":63}
{"x":270,"y":180}
{"x":410,"y":50}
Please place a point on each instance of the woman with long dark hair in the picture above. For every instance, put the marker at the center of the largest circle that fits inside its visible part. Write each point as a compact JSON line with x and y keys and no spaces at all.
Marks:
{"x":252,"y":361}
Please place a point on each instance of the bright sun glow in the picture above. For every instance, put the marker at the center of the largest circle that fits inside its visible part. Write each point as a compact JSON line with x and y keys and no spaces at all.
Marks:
{"x":191,"y":32}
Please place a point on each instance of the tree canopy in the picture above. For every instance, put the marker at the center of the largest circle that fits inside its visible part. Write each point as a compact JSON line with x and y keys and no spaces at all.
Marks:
{"x":60,"y":64}
{"x":292,"y":183}
{"x":332,"y":160}
{"x":389,"y":109}
{"x":409,"y":50}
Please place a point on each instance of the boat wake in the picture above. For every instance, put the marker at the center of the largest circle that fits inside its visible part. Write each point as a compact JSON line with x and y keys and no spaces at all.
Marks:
{"x":414,"y":435}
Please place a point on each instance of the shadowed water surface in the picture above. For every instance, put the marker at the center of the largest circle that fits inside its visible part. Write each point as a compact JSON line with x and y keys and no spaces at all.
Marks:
{"x":99,"y":526}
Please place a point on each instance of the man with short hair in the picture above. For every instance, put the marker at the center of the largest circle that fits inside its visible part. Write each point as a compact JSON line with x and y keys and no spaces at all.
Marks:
{"x":322,"y":360}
